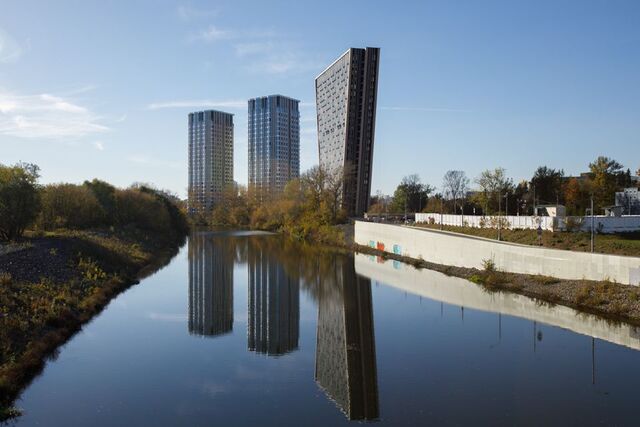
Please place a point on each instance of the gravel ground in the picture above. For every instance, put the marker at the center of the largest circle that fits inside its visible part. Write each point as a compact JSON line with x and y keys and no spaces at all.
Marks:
{"x":39,"y":257}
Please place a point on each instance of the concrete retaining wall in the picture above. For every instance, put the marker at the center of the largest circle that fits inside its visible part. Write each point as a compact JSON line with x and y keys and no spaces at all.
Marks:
{"x":454,"y":249}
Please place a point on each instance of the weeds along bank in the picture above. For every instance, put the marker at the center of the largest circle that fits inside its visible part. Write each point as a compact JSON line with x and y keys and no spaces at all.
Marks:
{"x":73,"y":249}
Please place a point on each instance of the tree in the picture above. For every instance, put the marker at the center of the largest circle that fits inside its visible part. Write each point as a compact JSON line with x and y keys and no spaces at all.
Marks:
{"x":576,"y":196}
{"x":546,"y":183}
{"x":105,"y":193}
{"x":410,"y":194}
{"x":605,"y":173}
{"x":455,"y":185}
{"x":19,"y":198}
{"x":493,"y":185}
{"x":70,"y":206}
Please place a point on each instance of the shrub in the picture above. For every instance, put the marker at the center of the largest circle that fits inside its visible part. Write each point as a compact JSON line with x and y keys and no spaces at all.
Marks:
{"x":19,"y":199}
{"x":5,"y":279}
{"x":489,"y":265}
{"x":70,"y":206}
{"x":141,"y":209}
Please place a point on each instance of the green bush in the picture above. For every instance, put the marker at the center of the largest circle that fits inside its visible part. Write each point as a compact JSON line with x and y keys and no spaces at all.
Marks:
{"x":19,"y":199}
{"x":70,"y":206}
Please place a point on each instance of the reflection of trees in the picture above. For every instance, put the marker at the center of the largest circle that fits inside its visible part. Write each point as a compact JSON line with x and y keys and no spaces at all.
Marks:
{"x":345,"y":353}
{"x":211,"y":264}
{"x":274,"y":300}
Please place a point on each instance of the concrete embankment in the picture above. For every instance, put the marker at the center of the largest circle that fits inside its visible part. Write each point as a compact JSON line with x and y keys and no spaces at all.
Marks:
{"x":446,"y":248}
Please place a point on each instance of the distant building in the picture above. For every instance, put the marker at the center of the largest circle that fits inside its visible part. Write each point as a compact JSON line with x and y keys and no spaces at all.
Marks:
{"x":274,"y":304}
{"x":210,"y":158}
{"x":346,"y":94}
{"x":210,"y":286}
{"x":274,"y":143}
{"x":629,"y":201}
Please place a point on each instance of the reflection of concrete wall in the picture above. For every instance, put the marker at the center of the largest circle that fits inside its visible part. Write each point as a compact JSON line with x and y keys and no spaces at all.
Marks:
{"x":274,"y":304}
{"x":345,"y":351}
{"x":466,"y":251}
{"x":210,"y":286}
{"x":460,"y":292}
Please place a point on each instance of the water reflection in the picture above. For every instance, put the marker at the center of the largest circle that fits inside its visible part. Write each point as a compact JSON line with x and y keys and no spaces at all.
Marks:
{"x":210,"y":285}
{"x":274,"y":302}
{"x":461,"y":292}
{"x":345,"y":351}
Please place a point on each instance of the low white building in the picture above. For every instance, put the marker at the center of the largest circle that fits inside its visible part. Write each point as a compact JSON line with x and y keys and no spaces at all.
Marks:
{"x":629,"y":199}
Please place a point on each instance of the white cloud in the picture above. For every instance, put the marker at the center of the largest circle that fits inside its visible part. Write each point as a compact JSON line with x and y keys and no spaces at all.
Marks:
{"x":253,"y":48}
{"x":265,"y":50}
{"x":198,"y":104}
{"x":212,"y":34}
{"x":45,"y":116}
{"x":168,"y":317}
{"x":98,"y":145}
{"x":10,"y":50}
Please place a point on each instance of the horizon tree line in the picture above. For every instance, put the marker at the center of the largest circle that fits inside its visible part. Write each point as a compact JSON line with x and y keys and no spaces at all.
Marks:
{"x":496,"y":192}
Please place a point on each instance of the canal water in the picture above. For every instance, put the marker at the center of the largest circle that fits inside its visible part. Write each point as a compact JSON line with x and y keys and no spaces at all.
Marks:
{"x":243,"y":329}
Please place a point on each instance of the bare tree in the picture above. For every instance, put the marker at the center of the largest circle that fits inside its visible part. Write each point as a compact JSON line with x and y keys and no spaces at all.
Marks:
{"x":455,"y":185}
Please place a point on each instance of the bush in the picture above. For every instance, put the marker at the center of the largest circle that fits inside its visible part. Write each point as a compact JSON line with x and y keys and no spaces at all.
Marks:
{"x":489,"y":265}
{"x":142,"y":210}
{"x":70,"y":206}
{"x":19,"y":199}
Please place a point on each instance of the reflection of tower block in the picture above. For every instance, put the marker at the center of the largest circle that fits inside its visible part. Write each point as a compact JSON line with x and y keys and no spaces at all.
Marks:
{"x":345,"y":353}
{"x":210,"y":286}
{"x":274,"y":305}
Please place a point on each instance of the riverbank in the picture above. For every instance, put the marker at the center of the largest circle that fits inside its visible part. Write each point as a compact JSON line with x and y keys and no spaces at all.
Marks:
{"x":627,"y":244}
{"x":53,"y":283}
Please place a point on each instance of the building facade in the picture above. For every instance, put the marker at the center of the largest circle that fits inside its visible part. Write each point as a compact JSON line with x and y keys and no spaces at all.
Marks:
{"x":629,"y":199}
{"x":210,"y":158}
{"x":274,"y":143}
{"x":346,"y":96}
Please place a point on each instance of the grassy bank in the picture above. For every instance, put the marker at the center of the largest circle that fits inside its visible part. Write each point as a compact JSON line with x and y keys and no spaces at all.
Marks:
{"x":52,"y":283}
{"x":617,"y":244}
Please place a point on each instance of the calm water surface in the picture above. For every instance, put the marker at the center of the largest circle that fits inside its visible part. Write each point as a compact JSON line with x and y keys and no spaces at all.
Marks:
{"x":254,"y":330}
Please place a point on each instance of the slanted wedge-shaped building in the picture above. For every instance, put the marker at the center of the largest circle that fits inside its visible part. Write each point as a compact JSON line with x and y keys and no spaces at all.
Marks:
{"x":346,"y":94}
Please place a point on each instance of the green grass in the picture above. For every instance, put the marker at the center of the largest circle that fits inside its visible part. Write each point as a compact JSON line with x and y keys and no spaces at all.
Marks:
{"x":618,"y":244}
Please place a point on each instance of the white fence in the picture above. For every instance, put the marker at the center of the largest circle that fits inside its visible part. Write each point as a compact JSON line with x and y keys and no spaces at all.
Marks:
{"x":511,"y":222}
{"x":601,"y":223}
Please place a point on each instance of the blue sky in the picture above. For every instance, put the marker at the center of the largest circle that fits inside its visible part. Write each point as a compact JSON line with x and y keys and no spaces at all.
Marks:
{"x":102,"y":89}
